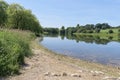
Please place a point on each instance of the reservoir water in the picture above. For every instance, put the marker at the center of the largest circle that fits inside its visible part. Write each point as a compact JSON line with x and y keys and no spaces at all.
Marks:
{"x":93,"y":49}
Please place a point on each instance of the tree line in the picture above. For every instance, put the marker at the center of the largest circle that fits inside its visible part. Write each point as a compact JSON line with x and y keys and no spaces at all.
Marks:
{"x":88,"y":28}
{"x":15,"y":16}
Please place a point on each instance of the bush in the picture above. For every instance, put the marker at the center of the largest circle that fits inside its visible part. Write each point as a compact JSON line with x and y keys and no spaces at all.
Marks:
{"x":118,"y":30}
{"x":110,"y":31}
{"x":14,"y":46}
{"x":82,"y":30}
{"x":97,"y":30}
{"x":90,"y":31}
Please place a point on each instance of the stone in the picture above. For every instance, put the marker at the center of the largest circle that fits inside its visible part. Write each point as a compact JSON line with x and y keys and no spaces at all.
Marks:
{"x":92,"y":71}
{"x":54,"y":74}
{"x":110,"y":78}
{"x":94,"y":75}
{"x":99,"y":72}
{"x":47,"y":74}
{"x":64,"y":74}
{"x":75,"y":75}
{"x":80,"y":71}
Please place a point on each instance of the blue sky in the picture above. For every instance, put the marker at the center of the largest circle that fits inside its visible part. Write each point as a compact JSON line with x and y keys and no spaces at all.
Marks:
{"x":57,"y":13}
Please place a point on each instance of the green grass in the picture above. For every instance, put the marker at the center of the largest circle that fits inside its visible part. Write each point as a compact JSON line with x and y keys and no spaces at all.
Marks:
{"x":106,"y":30}
{"x":14,"y":46}
{"x":104,"y":34}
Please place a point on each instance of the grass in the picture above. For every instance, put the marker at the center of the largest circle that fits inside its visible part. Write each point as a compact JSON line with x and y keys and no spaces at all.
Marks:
{"x":14,"y":46}
{"x":104,"y":34}
{"x":106,"y":30}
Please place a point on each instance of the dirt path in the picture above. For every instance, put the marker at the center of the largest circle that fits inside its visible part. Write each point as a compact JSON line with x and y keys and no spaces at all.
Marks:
{"x":45,"y":67}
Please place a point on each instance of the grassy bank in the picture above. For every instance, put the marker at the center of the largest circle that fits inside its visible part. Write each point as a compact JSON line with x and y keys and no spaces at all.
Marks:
{"x":103,"y":34}
{"x":14,"y":46}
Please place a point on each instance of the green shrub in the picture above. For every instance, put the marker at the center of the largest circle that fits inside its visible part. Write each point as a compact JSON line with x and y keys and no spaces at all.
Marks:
{"x":110,"y":31}
{"x":118,"y":30}
{"x":90,"y":31}
{"x":14,"y":46}
{"x":97,"y":30}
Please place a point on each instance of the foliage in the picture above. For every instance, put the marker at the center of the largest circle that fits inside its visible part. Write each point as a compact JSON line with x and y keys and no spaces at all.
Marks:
{"x":70,"y":30}
{"x":16,"y":16}
{"x":97,"y":30}
{"x":110,"y":31}
{"x":51,"y":30}
{"x":13,"y":49}
{"x":62,"y":30}
{"x":89,"y":31}
{"x":118,"y":30}
{"x":89,"y":26}
{"x":3,"y":14}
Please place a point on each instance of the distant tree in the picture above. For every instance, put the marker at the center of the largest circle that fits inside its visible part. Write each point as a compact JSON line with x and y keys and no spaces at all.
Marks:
{"x":51,"y":30}
{"x":71,"y":30}
{"x":89,"y":26}
{"x":110,"y":31}
{"x":81,"y":30}
{"x":90,"y":31}
{"x":98,"y":26}
{"x":118,"y":26}
{"x":97,"y":30}
{"x":118,"y":30}
{"x":77,"y":26}
{"x":62,"y":30}
{"x":105,"y":26}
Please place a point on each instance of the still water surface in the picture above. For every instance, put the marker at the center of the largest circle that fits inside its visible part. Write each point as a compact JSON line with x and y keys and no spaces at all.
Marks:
{"x":107,"y":52}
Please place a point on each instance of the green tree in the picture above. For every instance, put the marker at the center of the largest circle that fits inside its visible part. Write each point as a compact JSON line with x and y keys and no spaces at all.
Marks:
{"x":14,"y":15}
{"x":97,"y":30}
{"x":105,"y":26}
{"x":118,"y":30}
{"x":51,"y":30}
{"x":89,"y":26}
{"x":62,"y":30}
{"x":71,"y":30}
{"x":110,"y":31}
{"x":3,"y":14}
{"x":20,"y":18}
{"x":98,"y":25}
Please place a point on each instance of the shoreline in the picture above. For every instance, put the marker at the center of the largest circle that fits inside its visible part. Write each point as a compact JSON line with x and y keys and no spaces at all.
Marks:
{"x":110,"y":70}
{"x":47,"y":65}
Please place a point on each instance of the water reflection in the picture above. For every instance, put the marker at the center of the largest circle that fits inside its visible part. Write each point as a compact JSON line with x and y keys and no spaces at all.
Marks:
{"x":87,"y":38}
{"x":101,"y":49}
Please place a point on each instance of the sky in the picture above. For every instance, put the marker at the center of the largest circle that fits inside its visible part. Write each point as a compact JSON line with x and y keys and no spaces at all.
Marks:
{"x":68,"y":13}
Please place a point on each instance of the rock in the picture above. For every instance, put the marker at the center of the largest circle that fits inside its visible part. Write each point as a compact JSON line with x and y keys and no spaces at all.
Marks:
{"x":119,"y":68}
{"x":47,"y":74}
{"x":95,"y":75}
{"x":75,"y":75}
{"x":119,"y":78}
{"x":106,"y":78}
{"x":54,"y":74}
{"x":80,"y":71}
{"x":99,"y":72}
{"x":64,"y":74}
{"x":92,"y":71}
{"x":110,"y":78}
